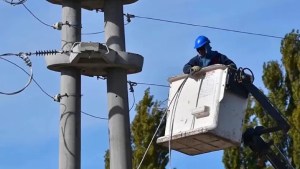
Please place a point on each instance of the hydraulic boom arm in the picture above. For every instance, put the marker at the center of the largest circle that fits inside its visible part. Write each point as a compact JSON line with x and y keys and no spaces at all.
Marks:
{"x":251,"y":137}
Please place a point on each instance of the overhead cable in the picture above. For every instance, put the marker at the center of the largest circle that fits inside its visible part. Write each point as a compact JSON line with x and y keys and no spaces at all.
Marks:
{"x":37,"y":53}
{"x":47,"y":94}
{"x":203,"y":26}
{"x":95,"y":33}
{"x":92,"y":33}
{"x":130,"y":16}
{"x":33,"y":79}
{"x":13,"y":2}
{"x":37,"y":17}
{"x":176,"y":95}
{"x":152,"y":84}
{"x":26,"y":59}
{"x":55,"y":26}
{"x":102,"y":118}
{"x":131,"y":84}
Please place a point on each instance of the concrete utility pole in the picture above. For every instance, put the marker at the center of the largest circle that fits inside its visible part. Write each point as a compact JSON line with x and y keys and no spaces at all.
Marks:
{"x":70,"y":108}
{"x":94,"y":59}
{"x":119,"y":124}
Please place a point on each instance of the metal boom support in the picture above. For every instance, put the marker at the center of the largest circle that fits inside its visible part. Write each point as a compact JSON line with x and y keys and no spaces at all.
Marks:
{"x":252,"y":136}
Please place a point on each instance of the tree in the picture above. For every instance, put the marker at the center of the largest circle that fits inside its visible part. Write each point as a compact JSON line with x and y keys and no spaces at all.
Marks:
{"x":146,"y":121}
{"x":283,"y":85}
{"x":241,"y":157}
{"x":143,"y":127}
{"x":106,"y":159}
{"x":290,"y":49}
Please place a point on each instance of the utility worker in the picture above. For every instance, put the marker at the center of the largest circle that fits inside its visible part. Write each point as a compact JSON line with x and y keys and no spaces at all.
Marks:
{"x":205,"y":57}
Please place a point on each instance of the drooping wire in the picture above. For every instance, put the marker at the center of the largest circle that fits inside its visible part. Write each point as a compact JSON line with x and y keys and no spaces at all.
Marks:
{"x":95,"y":33}
{"x":92,"y":33}
{"x":172,"y":115}
{"x":162,"y":119}
{"x":33,"y":79}
{"x":26,"y":59}
{"x":131,"y":85}
{"x":39,"y":86}
{"x":152,"y":84}
{"x":161,"y":103}
{"x":15,"y":3}
{"x":55,"y":26}
{"x":37,"y":17}
{"x":136,"y":83}
{"x":58,"y":99}
{"x":133,"y":96}
{"x":204,"y":26}
{"x":9,"y":54}
{"x":102,"y":118}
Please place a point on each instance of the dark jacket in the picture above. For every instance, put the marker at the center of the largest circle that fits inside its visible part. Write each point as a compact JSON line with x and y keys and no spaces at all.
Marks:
{"x":213,"y":57}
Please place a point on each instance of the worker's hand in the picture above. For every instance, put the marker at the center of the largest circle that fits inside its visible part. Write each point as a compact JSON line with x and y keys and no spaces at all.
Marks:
{"x":232,"y":65}
{"x":195,"y":68}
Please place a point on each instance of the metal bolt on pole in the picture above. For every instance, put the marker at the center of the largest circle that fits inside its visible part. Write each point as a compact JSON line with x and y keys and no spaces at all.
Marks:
{"x":119,"y":124}
{"x":70,"y":119}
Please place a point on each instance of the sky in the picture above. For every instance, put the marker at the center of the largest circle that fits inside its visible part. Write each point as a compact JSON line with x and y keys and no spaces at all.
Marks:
{"x":29,"y":121}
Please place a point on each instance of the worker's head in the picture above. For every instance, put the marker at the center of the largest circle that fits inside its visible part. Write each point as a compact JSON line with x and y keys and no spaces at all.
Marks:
{"x":202,"y":45}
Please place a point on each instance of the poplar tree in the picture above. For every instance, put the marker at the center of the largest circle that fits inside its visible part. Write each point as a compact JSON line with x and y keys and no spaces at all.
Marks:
{"x":282,"y":81}
{"x":290,"y":49}
{"x":143,"y":127}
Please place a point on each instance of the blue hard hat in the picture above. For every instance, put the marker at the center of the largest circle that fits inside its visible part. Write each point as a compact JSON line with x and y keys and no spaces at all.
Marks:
{"x":200,"y":41}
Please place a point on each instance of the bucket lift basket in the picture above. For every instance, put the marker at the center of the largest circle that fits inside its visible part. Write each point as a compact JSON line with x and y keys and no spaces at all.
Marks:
{"x":206,"y":114}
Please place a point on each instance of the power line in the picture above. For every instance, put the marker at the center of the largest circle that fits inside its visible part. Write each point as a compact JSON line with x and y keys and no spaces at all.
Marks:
{"x":131,"y":84}
{"x":29,"y":64}
{"x":102,"y":118}
{"x":203,"y":26}
{"x":37,"y":17}
{"x":153,"y":84}
{"x":15,"y":3}
{"x":133,"y":101}
{"x":93,"y":33}
{"x":37,"y":53}
{"x":39,"y":86}
{"x":22,"y":2}
{"x":176,"y":95}
{"x":130,"y":16}
{"x":44,"y":23}
{"x":9,"y":54}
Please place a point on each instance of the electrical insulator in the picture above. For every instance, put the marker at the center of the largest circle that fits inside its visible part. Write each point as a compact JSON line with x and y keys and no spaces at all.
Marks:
{"x":58,"y":25}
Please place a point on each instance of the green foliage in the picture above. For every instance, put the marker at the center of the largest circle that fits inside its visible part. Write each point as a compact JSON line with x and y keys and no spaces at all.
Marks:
{"x":283,"y":85}
{"x":144,"y":125}
{"x":242,"y":157}
{"x":290,"y":49}
{"x":231,"y":158}
{"x":106,"y":159}
{"x":272,"y":76}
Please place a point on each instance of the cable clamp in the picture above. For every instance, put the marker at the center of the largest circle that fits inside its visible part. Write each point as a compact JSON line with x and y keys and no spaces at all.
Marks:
{"x":58,"y":97}
{"x":128,"y":17}
{"x":26,"y":59}
{"x":131,"y":84}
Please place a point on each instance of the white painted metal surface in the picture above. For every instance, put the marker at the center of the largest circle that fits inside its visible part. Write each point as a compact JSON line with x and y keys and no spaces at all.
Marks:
{"x":203,"y":116}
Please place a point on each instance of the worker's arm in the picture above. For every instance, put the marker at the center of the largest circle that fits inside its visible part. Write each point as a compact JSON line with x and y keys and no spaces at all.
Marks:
{"x":226,"y":61}
{"x":193,"y":62}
